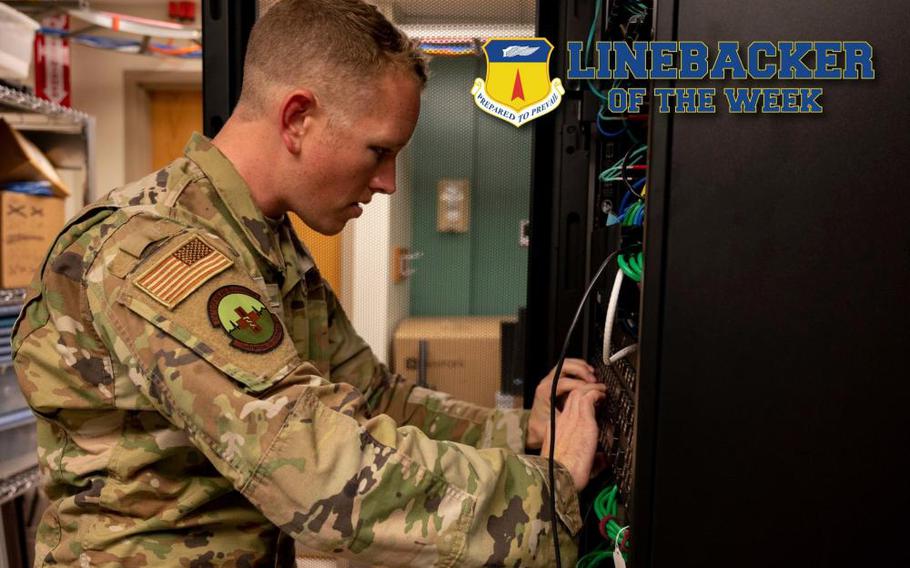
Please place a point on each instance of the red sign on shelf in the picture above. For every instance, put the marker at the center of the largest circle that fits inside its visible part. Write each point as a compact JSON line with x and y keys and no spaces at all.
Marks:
{"x":52,"y":62}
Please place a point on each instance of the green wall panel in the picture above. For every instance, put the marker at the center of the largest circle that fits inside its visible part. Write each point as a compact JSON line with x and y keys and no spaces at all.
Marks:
{"x":483,"y":271}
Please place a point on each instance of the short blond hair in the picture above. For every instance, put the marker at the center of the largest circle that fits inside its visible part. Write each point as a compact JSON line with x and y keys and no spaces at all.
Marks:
{"x":330,"y":46}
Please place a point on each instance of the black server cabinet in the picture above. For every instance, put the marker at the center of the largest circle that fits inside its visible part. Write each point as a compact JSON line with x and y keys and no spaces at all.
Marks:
{"x":226,"y":27}
{"x":562,"y":181}
{"x":774,"y":392}
{"x":772,"y":418}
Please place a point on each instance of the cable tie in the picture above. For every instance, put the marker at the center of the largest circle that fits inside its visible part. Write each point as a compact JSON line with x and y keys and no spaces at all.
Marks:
{"x":624,"y":545}
{"x":602,"y":527}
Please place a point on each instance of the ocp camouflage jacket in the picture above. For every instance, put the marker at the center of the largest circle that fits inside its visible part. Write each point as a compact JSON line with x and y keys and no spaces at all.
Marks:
{"x":201,"y":395}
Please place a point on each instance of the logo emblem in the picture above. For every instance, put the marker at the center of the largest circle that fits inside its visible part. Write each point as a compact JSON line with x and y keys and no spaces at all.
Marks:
{"x":251,"y":326}
{"x":518,"y":88}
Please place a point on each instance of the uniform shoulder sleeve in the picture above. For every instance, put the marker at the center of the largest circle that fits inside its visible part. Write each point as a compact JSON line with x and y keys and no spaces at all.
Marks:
{"x":194,"y":288}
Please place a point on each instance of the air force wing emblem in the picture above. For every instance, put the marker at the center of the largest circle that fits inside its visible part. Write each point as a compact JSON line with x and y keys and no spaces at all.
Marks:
{"x":518,"y":88}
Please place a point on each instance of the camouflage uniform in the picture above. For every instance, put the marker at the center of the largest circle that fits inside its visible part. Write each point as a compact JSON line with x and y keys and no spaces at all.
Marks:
{"x":201,"y":395}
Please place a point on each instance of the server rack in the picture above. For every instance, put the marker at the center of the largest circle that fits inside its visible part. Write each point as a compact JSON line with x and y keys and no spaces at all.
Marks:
{"x":772,"y":411}
{"x":772,"y":391}
{"x":560,"y":209}
{"x":226,"y":30}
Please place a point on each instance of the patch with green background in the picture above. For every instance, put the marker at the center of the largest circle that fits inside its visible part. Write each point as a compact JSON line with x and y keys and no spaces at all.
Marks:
{"x":240,"y":313}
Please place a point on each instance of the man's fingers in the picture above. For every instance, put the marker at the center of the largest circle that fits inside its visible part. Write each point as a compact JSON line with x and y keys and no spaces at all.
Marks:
{"x":582,"y":403}
{"x":570,"y":406}
{"x":576,"y":434}
{"x":568,"y":385}
{"x":593,"y":395}
{"x":591,"y":398}
{"x":578,"y":368}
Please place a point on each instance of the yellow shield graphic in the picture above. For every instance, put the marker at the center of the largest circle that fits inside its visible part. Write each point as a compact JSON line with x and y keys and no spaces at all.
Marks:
{"x":518,"y":86}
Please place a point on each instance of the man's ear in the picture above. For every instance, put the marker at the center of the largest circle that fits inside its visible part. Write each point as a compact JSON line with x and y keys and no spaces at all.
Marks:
{"x":297,"y":111}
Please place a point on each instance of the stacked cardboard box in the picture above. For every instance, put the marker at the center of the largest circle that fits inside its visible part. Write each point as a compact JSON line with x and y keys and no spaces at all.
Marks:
{"x":461,"y":355}
{"x":28,"y":220}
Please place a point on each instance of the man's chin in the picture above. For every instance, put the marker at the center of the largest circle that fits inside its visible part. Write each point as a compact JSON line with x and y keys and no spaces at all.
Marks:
{"x":327,"y":227}
{"x":330,"y":230}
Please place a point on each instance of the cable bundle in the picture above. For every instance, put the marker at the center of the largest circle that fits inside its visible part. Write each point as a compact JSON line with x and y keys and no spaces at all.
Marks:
{"x":127,"y":45}
{"x":618,"y":537}
{"x":617,"y":172}
{"x":631,"y":211}
{"x":631,"y":265}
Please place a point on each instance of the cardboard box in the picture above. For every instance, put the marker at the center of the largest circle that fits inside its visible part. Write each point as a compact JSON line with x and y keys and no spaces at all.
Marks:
{"x":28,"y":226}
{"x":464,"y":355}
{"x":20,"y":160}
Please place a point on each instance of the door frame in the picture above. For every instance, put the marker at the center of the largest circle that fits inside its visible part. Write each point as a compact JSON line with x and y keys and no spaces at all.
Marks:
{"x":137,"y":124}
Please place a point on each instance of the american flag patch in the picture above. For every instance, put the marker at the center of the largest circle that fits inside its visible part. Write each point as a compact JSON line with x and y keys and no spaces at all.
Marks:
{"x":184,"y":270}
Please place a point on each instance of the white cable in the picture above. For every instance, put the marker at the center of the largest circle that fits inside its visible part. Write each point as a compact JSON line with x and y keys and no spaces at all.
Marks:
{"x":607,"y":357}
{"x":624,"y":352}
{"x":611,"y":316}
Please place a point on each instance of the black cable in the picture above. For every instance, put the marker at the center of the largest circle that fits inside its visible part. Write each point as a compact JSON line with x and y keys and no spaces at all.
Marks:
{"x":556,"y":373}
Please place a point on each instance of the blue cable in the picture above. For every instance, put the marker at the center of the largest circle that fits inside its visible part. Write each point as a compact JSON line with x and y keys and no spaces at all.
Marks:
{"x":606,"y":134}
{"x":103,"y":42}
{"x":624,"y":204}
{"x":640,"y":218}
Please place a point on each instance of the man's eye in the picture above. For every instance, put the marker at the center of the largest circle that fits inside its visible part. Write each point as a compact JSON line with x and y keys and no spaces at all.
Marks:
{"x":380,"y":152}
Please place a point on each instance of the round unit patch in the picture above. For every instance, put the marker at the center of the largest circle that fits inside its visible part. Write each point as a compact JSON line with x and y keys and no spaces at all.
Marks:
{"x":251,"y":326}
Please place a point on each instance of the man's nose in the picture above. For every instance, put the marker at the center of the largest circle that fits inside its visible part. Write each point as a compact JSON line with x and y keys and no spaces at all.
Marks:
{"x":384,"y":180}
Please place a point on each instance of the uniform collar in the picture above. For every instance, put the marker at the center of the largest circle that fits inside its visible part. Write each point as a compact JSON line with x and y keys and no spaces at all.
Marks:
{"x":297,"y":257}
{"x":235,"y":194}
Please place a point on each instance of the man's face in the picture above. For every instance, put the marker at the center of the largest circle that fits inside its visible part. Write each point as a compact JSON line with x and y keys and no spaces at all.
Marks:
{"x":351,"y":158}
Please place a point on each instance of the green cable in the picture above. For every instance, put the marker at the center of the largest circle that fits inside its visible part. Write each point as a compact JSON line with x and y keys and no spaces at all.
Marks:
{"x":631,"y":213}
{"x":627,"y":270}
{"x":624,"y":267}
{"x":606,"y":504}
{"x":636,"y":268}
{"x":635,"y":263}
{"x":638,"y":151}
{"x":613,"y":173}
{"x":608,"y":495}
{"x":594,"y":558}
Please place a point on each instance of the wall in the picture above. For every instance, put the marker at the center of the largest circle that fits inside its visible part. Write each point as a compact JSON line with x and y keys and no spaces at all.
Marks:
{"x":401,"y":230}
{"x":376,"y":303}
{"x":369,"y":269}
{"x":483,"y":271}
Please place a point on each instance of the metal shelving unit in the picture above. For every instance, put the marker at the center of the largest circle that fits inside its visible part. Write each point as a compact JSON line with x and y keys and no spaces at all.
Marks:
{"x":66,"y":137}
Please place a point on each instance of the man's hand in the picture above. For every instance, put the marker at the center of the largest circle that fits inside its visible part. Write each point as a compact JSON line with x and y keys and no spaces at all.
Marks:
{"x":576,"y":435}
{"x":583,"y":380}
